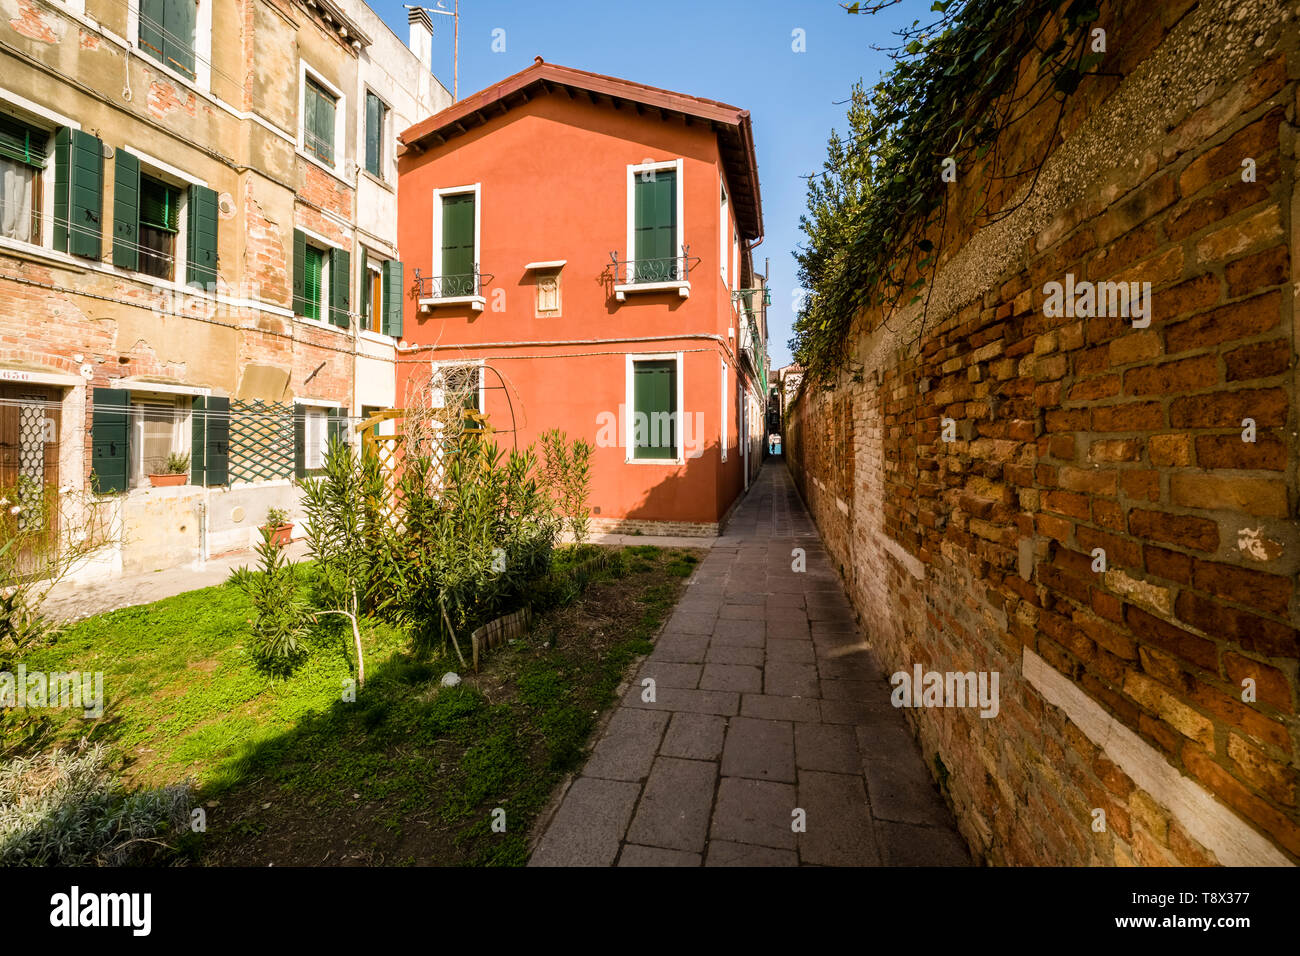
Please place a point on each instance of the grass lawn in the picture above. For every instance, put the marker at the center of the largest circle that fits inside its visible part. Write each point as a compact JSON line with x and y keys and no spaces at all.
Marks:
{"x":411,"y":772}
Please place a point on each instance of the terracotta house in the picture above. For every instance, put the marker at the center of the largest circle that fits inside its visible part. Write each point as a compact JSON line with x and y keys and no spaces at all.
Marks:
{"x":580,"y":246}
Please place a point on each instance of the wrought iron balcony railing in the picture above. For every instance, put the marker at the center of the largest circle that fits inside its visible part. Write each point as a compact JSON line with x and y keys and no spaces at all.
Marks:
{"x":464,"y":285}
{"x":644,"y":271}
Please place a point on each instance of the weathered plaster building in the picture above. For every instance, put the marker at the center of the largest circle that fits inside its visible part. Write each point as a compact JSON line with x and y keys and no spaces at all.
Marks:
{"x":198,"y":250}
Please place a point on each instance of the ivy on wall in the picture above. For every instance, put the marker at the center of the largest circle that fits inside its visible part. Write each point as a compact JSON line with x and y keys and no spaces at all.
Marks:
{"x":878,"y":210}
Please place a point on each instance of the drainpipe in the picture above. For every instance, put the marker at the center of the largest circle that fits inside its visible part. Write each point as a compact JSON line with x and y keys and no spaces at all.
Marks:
{"x":203,"y":530}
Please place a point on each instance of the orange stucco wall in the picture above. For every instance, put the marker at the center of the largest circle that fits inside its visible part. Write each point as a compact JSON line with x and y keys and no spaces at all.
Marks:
{"x":553,"y":185}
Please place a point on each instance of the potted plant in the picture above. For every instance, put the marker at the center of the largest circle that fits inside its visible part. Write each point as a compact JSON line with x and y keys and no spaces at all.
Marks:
{"x":279,"y":525}
{"x":177,"y":472}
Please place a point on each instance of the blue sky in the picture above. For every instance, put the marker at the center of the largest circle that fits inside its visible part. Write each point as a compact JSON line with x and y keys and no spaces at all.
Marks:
{"x":737,"y":52}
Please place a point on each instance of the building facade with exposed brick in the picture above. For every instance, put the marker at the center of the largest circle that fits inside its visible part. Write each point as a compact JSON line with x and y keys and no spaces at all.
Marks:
{"x":1099,"y":509}
{"x":198,"y":253}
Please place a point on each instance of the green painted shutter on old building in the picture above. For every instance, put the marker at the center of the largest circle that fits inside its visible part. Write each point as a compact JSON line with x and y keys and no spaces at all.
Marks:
{"x":654,"y":395}
{"x":375,"y":111}
{"x":126,"y":211}
{"x":318,"y":123}
{"x":153,"y":18}
{"x":655,"y":226}
{"x":216,"y":447}
{"x":179,"y":20}
{"x":300,"y":441}
{"x":21,"y":142}
{"x":110,"y":433}
{"x":336,"y":421}
{"x":458,"y":241}
{"x":340,"y":287}
{"x":393,"y":299}
{"x":313,"y":282}
{"x":299,"y":272}
{"x":201,"y":241}
{"x":198,"y":440}
{"x":78,"y":193}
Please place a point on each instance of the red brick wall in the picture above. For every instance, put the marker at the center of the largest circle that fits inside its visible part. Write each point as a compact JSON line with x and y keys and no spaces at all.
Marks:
{"x":1083,"y":433}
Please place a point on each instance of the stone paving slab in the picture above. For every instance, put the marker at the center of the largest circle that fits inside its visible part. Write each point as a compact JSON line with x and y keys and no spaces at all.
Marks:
{"x":770,"y":739}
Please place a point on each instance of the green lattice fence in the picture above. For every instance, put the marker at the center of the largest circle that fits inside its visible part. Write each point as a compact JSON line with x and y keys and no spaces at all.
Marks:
{"x":261,"y":440}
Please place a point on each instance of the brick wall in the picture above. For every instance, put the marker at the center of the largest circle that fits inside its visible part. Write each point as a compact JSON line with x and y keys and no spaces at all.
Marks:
{"x":1076,"y":434}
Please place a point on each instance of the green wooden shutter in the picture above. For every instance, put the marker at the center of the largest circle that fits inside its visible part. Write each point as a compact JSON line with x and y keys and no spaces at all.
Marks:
{"x":300,"y":441}
{"x":201,"y":242}
{"x":21,"y":142}
{"x":126,"y":211}
{"x":313,"y":283}
{"x":654,"y":392}
{"x":655,"y":226}
{"x":319,"y":122}
{"x":78,"y":193}
{"x":179,"y":18}
{"x":340,"y":286}
{"x":217,"y":446}
{"x":336,"y":420}
{"x":153,"y":18}
{"x":364,"y":306}
{"x":198,"y":440}
{"x":299,"y":272}
{"x":62,"y":148}
{"x":393,"y":299}
{"x":374,"y":134}
{"x":458,"y":241}
{"x":110,"y":432}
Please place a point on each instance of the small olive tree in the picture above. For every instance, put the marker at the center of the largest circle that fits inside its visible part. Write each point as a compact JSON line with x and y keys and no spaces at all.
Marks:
{"x":352,"y":538}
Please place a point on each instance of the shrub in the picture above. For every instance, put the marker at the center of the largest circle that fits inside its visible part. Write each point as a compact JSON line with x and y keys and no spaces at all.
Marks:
{"x":280,"y":622}
{"x":64,"y":808}
{"x":475,"y":537}
{"x":567,"y":468}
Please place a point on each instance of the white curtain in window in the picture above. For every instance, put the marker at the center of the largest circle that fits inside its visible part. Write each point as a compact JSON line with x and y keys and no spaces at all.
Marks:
{"x":16,"y":200}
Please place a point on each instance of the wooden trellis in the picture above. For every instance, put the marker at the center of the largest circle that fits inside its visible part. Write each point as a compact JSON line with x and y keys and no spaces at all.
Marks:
{"x":261,"y":440}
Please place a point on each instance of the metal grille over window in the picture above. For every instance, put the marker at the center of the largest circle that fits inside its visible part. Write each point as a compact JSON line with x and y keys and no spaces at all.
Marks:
{"x":32,"y":436}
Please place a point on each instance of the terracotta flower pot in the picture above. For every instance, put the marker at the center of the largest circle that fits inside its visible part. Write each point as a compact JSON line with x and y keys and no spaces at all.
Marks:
{"x":166,"y":481}
{"x":281,"y":534}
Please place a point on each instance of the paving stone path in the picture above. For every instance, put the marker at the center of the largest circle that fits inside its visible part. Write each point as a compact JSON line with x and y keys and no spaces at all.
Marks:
{"x":766,"y":702}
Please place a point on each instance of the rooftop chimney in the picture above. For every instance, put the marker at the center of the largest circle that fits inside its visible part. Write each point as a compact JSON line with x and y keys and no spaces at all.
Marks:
{"x":421,"y":38}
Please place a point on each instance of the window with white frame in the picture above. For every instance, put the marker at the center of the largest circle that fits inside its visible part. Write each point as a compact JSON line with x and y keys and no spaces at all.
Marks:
{"x":376,"y":124}
{"x":456,"y":237}
{"x":655,"y":223}
{"x":725,"y":415}
{"x":458,"y":382}
{"x":735,"y":260}
{"x":161,"y":439}
{"x":322,"y":108}
{"x":23,"y":152}
{"x":654,"y":405}
{"x":724,"y":226}
{"x":315,"y":435}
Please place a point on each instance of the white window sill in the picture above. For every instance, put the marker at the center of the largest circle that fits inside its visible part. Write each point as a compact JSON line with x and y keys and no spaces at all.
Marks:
{"x":378,"y":180}
{"x":173,"y":74}
{"x":683,"y":287}
{"x":322,"y":324}
{"x":655,"y":461}
{"x":475,"y":302}
{"x":378,"y":337}
{"x":335,"y":171}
